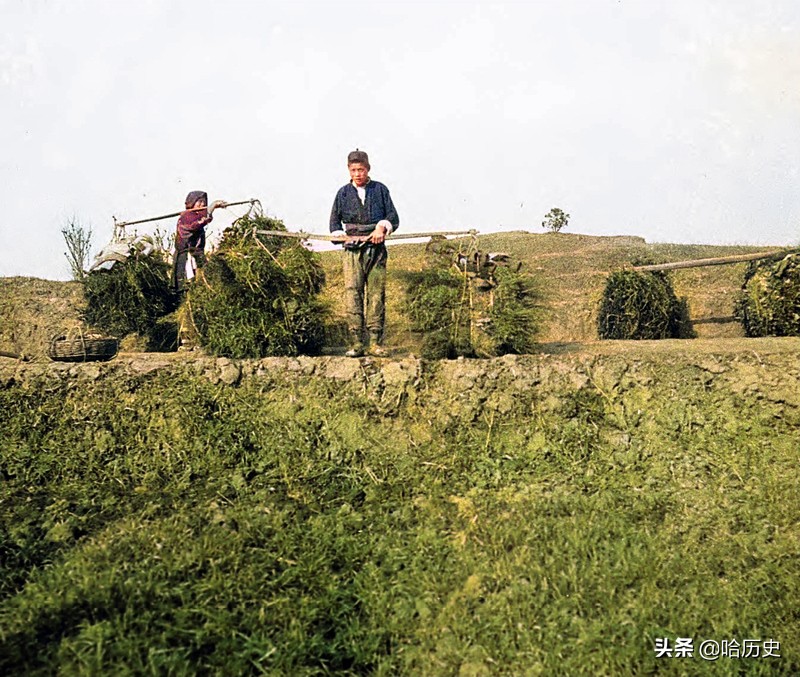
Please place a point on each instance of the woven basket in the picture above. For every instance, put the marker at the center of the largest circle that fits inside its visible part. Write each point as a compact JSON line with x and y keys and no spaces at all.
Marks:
{"x":83,"y":348}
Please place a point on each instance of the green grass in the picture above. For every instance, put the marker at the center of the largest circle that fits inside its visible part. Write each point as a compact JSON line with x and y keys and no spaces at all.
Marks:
{"x":503,"y":518}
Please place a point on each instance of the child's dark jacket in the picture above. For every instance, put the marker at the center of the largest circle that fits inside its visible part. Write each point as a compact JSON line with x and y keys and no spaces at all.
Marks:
{"x":191,"y":230}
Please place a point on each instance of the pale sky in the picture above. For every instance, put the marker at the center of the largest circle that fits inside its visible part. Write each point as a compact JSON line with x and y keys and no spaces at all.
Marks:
{"x":673,"y":120}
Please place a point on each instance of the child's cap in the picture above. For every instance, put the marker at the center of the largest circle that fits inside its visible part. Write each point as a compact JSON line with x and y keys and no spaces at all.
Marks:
{"x":358,"y":156}
{"x":194,"y":196}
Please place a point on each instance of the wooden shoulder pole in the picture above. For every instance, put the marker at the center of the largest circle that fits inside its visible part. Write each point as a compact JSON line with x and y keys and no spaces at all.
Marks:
{"x":719,"y":261}
{"x":122,"y":224}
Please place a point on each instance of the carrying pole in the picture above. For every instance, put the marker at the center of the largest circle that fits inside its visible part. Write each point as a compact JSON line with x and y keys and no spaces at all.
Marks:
{"x":302,"y":235}
{"x":14,"y":356}
{"x":122,"y":224}
{"x":719,"y":261}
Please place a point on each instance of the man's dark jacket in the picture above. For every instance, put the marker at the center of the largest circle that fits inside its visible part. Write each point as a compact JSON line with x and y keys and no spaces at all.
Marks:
{"x":348,"y":211}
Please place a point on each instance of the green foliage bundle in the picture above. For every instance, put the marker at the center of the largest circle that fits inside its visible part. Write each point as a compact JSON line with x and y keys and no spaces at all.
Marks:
{"x":258,"y":295}
{"x":131,"y":296}
{"x":435,"y":303}
{"x":461,"y":315}
{"x":769,"y":303}
{"x":642,"y":305}
{"x":513,"y":314}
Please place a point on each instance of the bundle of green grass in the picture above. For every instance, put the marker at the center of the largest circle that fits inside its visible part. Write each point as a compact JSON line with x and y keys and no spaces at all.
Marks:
{"x":642,"y":305}
{"x":434,"y":303}
{"x":132,"y":295}
{"x":259,"y":295}
{"x":769,"y":303}
{"x":470,"y":312}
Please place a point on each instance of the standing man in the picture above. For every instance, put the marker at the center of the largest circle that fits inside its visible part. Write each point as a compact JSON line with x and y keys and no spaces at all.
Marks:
{"x":362,"y":216}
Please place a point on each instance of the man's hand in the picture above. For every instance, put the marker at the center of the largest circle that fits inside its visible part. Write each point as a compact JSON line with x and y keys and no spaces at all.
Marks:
{"x":218,"y":204}
{"x":378,"y":235}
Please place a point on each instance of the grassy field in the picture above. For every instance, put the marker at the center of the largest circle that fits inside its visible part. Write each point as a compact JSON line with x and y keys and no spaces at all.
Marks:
{"x":552,"y":514}
{"x":570,"y":272}
{"x":535,"y":515}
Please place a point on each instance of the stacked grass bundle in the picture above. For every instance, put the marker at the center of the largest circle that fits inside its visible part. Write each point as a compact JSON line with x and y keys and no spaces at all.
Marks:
{"x":769,"y":303}
{"x":642,"y":305}
{"x":131,"y":296}
{"x":478,"y":311}
{"x":258,"y":295}
{"x":512,"y":314}
{"x":437,"y":303}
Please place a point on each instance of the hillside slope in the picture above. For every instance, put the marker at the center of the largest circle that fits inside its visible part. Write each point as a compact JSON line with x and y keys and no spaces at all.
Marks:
{"x":555,"y":513}
{"x":542,"y":514}
{"x":570,"y":270}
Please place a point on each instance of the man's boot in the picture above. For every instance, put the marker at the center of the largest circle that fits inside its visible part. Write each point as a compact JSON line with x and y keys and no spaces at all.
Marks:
{"x":356,"y":348}
{"x":376,"y":345}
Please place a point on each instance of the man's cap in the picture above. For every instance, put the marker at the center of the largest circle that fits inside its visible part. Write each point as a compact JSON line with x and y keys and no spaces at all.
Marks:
{"x":358,"y":156}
